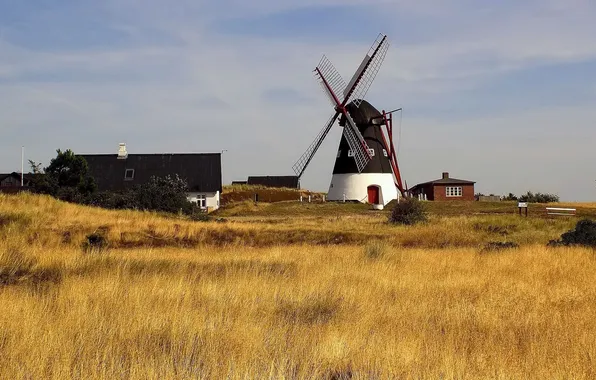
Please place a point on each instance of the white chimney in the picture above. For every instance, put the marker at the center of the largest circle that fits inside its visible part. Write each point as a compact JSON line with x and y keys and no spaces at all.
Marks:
{"x":122,"y":153}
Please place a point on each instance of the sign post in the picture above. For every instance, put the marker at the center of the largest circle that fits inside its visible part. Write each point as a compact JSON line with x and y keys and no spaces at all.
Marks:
{"x":523,"y":205}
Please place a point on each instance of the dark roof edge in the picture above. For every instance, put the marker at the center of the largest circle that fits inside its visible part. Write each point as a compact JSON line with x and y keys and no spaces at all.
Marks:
{"x":450,"y":181}
{"x":149,"y":154}
{"x":272,"y":176}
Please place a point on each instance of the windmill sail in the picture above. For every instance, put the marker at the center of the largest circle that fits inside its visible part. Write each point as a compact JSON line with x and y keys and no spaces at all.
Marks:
{"x":356,"y":142}
{"x":307,"y":156}
{"x":335,"y":87}
{"x":330,"y":80}
{"x":357,"y":75}
{"x":357,"y":91}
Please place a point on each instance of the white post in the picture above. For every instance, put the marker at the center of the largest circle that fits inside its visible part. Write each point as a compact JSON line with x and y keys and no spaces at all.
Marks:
{"x":22,"y":163}
{"x":301,"y":199}
{"x":308,"y":198}
{"x":344,"y":197}
{"x":323,"y":198}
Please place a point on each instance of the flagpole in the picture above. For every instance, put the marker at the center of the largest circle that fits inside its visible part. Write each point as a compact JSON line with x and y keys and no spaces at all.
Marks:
{"x":22,"y":163}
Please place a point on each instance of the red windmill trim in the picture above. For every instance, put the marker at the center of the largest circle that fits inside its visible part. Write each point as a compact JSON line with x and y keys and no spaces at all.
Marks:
{"x":388,"y":121}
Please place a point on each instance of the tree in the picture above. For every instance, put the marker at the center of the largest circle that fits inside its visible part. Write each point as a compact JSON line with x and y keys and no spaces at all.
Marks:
{"x":510,"y":197}
{"x":67,"y":177}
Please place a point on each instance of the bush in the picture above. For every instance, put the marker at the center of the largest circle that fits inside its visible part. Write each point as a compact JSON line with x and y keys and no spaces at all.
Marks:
{"x":161,"y":194}
{"x":539,"y":198}
{"x":200,"y":216}
{"x":408,"y":211}
{"x":584,"y":234}
{"x":96,"y":242}
{"x":114,"y":200}
{"x":167,"y":194}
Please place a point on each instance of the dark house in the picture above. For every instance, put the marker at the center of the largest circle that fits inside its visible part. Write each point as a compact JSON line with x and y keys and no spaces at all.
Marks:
{"x":289,"y":181}
{"x":11,"y":182}
{"x":202,"y":172}
{"x":445,"y":189}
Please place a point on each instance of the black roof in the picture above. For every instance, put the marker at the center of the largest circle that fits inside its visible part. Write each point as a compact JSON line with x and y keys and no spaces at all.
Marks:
{"x":290,"y":181}
{"x":26,"y":176}
{"x":202,"y":171}
{"x":4,"y":175}
{"x":363,"y":114}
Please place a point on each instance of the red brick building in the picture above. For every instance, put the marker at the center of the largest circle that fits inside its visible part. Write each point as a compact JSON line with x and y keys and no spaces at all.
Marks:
{"x":445,"y":189}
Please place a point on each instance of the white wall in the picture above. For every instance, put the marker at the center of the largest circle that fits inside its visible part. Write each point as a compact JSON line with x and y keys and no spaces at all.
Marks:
{"x":212,"y":199}
{"x":355,"y":187}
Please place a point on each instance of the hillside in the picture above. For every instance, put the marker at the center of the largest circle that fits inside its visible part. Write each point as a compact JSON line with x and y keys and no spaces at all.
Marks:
{"x":323,"y":291}
{"x":241,"y":224}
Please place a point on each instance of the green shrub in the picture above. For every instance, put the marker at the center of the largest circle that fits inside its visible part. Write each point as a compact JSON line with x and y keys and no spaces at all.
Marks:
{"x":200,"y":216}
{"x":539,"y":198}
{"x":160,"y":194}
{"x":408,"y":211}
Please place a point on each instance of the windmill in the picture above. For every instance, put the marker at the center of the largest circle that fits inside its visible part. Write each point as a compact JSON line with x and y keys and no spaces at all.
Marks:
{"x":366,"y":167}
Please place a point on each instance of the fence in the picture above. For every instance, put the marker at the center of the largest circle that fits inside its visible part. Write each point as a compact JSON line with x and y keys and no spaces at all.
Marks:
{"x":560,"y":211}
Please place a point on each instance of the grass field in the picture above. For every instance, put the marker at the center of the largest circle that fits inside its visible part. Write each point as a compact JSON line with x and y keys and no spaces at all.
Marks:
{"x":292,"y":291}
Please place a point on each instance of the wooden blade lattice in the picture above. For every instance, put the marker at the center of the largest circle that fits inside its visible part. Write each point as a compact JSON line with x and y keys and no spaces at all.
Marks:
{"x":307,"y":156}
{"x":357,"y":143}
{"x":330,"y":74}
{"x":377,"y":53}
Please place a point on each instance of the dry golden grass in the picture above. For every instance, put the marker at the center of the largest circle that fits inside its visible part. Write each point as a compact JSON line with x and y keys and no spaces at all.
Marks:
{"x":373,"y":310}
{"x":57,"y":224}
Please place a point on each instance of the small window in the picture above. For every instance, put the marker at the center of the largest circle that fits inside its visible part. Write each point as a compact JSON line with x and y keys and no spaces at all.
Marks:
{"x":350,"y":153}
{"x":453,"y":191}
{"x":384,"y":153}
{"x":338,"y":153}
{"x":371,"y":152}
{"x":129,"y":174}
{"x":202,"y":201}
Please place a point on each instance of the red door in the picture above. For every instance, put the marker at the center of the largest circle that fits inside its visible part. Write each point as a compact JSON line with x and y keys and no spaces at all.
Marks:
{"x":373,"y":195}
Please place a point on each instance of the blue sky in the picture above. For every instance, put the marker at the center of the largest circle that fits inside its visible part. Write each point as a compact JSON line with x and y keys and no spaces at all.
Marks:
{"x":500,"y":93}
